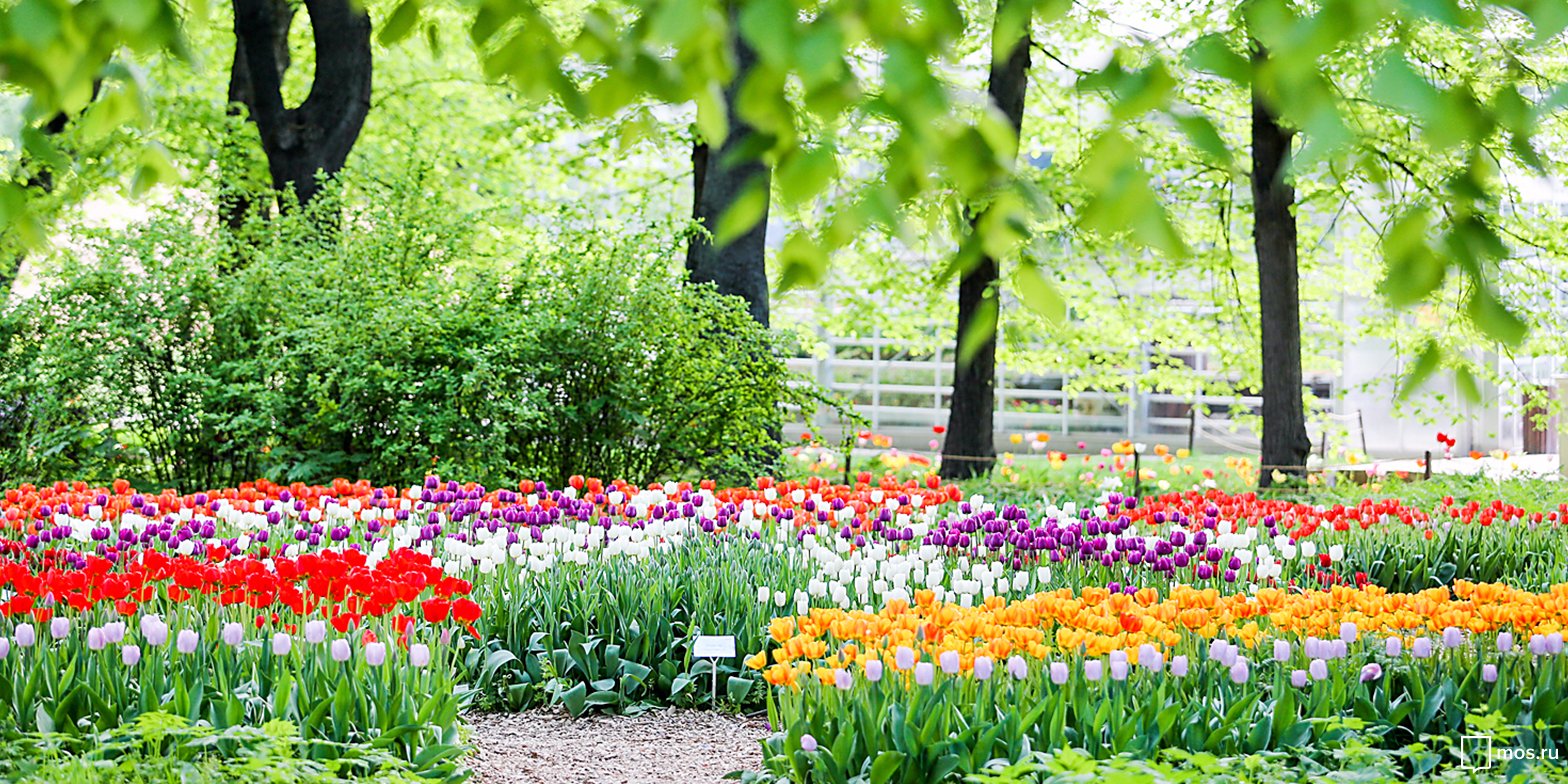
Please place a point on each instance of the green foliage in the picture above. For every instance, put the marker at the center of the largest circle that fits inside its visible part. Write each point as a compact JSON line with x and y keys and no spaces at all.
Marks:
{"x":191,"y":357}
{"x":160,"y":747}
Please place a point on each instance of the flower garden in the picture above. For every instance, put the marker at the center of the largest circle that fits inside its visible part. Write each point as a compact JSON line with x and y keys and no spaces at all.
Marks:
{"x":891,"y":629}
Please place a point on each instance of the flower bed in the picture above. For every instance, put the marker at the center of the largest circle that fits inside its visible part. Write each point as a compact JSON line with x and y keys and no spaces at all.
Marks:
{"x":370,"y":616}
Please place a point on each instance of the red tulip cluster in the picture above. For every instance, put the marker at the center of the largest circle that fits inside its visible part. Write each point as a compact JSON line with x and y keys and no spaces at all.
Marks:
{"x":1302,"y":520}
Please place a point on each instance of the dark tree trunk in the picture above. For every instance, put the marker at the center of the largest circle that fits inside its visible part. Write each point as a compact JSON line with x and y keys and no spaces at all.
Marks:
{"x":1285,"y":442}
{"x":311,"y":140}
{"x":234,"y":198}
{"x":719,"y":178}
{"x":969,"y":448}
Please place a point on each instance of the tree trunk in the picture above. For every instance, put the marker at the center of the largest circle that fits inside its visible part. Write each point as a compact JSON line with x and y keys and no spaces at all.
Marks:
{"x":1285,"y":442}
{"x":738,"y":267}
{"x":235,"y":193}
{"x":311,"y":141}
{"x":969,"y":448}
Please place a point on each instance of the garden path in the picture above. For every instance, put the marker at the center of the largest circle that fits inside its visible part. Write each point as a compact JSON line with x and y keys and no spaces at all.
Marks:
{"x":658,"y":747}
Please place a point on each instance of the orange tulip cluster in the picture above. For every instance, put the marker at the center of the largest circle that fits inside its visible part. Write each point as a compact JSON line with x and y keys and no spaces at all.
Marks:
{"x":1097,"y":621}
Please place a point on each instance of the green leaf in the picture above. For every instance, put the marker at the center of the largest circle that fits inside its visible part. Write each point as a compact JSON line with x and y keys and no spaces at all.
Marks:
{"x":978,"y":331}
{"x":737,"y":688}
{"x":1426,"y":363}
{"x":399,"y":23}
{"x":1413,"y":269}
{"x":575,"y":699}
{"x":1039,"y":294}
{"x":886,"y":764}
{"x":743,"y":214}
{"x":1465,"y":380}
{"x":1213,"y":54}
{"x":1201,"y":132}
{"x":1494,"y":319}
{"x":1398,"y":85}
{"x":804,"y":173}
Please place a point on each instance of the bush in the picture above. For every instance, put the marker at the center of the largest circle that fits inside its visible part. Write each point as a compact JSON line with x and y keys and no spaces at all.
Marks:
{"x":185,"y":355}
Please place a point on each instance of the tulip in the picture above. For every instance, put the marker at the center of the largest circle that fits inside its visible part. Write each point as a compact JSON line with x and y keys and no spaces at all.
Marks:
{"x":925,"y":673}
{"x":873,"y":669}
{"x":25,"y":635}
{"x":983,"y":668}
{"x":1150,"y":658}
{"x":949,"y":662}
{"x":1318,"y":669}
{"x":808,"y":743}
{"x":1094,"y":669}
{"x":1371,"y":672}
{"x":1298,"y":678}
{"x":340,"y":650}
{"x":1059,"y":673}
{"x":1421,"y":648}
{"x":375,"y":653}
{"x":1239,"y":672}
{"x":1505,"y":642}
{"x":315,"y":632}
{"x":95,"y":639}
{"x":233,"y":634}
{"x":419,"y":654}
{"x":1348,"y":632}
{"x":1554,"y":643}
{"x":1179,"y":666}
{"x":282,"y":644}
{"x":1281,"y":651}
{"x":130,"y":655}
{"x":185,"y":641}
{"x":1452,"y":637}
{"x":1392,"y":646}
{"x":1488,"y":673}
{"x":154,"y":630}
{"x":1538,"y":644}
{"x":904,"y":658}
{"x":1118,"y":670}
{"x":59,"y":628}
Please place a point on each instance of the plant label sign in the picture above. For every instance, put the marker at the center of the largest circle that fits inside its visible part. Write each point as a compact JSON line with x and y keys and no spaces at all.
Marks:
{"x":714,"y":647}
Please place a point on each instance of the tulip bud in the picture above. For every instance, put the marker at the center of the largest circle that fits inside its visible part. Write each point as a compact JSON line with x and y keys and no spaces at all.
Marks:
{"x":233,"y":634}
{"x":873,"y":669}
{"x":26,"y":635}
{"x":185,"y":641}
{"x":1094,"y":669}
{"x":130,"y":655}
{"x":1489,"y":673}
{"x":808,"y":743}
{"x":983,"y":667}
{"x":1179,"y":666}
{"x":340,"y":650}
{"x":315,"y":632}
{"x":949,"y":661}
{"x":282,"y":644}
{"x":95,"y":639}
{"x":925,"y":673}
{"x":419,"y":654}
{"x":904,"y":657}
{"x":375,"y":653}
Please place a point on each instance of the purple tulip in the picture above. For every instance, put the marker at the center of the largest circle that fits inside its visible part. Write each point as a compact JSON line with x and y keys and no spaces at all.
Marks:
{"x":1421,"y":648}
{"x":340,"y":650}
{"x":1281,"y":651}
{"x":1318,"y":669}
{"x":1392,"y":646}
{"x":808,"y":743}
{"x":904,"y":658}
{"x":949,"y":661}
{"x":1059,"y":673}
{"x":419,"y":654}
{"x":1452,"y":637}
{"x":925,"y":673}
{"x":873,"y":670}
{"x":95,"y":639}
{"x":1118,"y":670}
{"x":59,"y":628}
{"x":1505,"y":642}
{"x":1298,"y":678}
{"x":1094,"y":669}
{"x":375,"y":653}
{"x":185,"y":641}
{"x":1179,"y":666}
{"x":233,"y":634}
{"x":1239,"y":672}
{"x":1348,"y":632}
{"x":315,"y":632}
{"x":282,"y":644}
{"x":154,"y":630}
{"x":26,"y":636}
{"x":1371,"y":672}
{"x":984,"y":667}
{"x":130,"y":655}
{"x":1150,"y":658}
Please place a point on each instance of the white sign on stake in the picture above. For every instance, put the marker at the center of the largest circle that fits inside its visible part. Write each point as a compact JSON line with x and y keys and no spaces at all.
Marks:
{"x":714,"y":647}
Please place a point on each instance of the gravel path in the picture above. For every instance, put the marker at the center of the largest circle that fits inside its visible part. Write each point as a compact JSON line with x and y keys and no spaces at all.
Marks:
{"x":658,"y":747}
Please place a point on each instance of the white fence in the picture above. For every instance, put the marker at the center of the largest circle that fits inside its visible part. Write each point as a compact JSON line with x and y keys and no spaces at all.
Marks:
{"x":904,"y":392}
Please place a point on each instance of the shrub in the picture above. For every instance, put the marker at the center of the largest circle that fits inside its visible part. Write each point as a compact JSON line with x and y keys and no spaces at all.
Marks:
{"x":181,"y":354}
